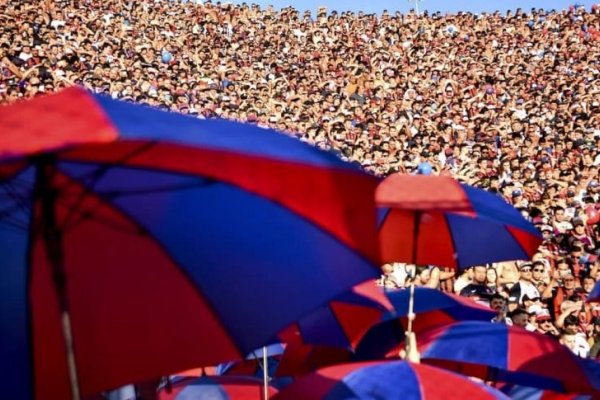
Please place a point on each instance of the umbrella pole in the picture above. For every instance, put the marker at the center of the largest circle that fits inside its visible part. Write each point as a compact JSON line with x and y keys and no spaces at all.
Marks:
{"x":52,"y":237}
{"x":411,"y":340}
{"x":265,"y":374}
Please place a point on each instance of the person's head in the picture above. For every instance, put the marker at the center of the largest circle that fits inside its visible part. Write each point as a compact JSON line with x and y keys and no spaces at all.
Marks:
{"x":479,"y":274}
{"x":569,"y":340}
{"x":491,"y":276}
{"x":519,"y":317}
{"x":544,"y":322}
{"x":563,"y":267}
{"x":497,"y":303}
{"x":530,"y":301}
{"x":538,"y":269}
{"x":588,"y":284}
{"x":525,"y":272}
{"x":423,"y":275}
{"x":569,"y":281}
{"x":570,"y":325}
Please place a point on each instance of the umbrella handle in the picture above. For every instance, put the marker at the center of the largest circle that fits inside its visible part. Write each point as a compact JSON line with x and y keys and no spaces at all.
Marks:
{"x":411,"y":353}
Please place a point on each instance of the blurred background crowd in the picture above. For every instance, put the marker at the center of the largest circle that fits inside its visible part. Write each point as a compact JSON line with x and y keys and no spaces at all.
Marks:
{"x":506,"y":102}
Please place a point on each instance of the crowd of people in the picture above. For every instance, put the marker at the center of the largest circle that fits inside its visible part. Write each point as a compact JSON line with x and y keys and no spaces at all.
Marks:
{"x":508,"y":102}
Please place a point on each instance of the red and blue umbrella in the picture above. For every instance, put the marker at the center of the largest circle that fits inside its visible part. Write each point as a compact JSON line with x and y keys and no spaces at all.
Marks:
{"x":517,"y":392}
{"x":432,"y":308}
{"x":165,"y":242}
{"x":435,"y":220}
{"x":344,"y":320}
{"x":503,"y":353}
{"x":385,"y":380}
{"x":214,"y":388}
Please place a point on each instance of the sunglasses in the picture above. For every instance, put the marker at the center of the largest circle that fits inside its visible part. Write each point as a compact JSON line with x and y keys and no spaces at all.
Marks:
{"x":526,"y":270}
{"x":538,"y":270}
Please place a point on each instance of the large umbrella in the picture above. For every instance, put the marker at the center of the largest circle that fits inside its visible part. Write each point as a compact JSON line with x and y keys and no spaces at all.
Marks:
{"x":433,"y":307}
{"x":385,"y":380}
{"x":141,"y":242}
{"x":214,"y":388}
{"x":511,"y":354}
{"x":438,"y":221}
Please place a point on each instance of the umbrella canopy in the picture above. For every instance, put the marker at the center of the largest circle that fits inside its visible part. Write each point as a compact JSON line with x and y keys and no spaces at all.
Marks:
{"x":344,"y":320}
{"x":432,"y":308}
{"x":516,"y":392}
{"x":214,"y":388}
{"x":437,"y":220}
{"x":510,"y":354}
{"x":170,"y":242}
{"x":385,"y":380}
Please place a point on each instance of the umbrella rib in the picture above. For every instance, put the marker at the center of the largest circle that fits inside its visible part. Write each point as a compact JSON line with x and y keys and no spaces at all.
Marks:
{"x":21,"y":201}
{"x":96,"y":175}
{"x":121,"y":193}
{"x":89,"y":214}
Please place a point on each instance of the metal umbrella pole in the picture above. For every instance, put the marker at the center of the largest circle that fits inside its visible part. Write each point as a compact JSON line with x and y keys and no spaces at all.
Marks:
{"x":265,"y":374}
{"x":52,"y":237}
{"x":411,"y":340}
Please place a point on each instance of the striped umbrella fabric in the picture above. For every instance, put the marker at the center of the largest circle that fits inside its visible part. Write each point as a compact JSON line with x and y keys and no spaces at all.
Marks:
{"x":388,"y":380}
{"x":135,"y":241}
{"x":435,"y":220}
{"x":502,"y":353}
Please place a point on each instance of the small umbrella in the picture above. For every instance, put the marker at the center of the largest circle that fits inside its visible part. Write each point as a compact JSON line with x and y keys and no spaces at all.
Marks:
{"x":385,"y":380}
{"x":437,"y":220}
{"x":344,"y":320}
{"x":214,"y":388}
{"x":433,"y":307}
{"x":511,"y":354}
{"x":137,"y":242}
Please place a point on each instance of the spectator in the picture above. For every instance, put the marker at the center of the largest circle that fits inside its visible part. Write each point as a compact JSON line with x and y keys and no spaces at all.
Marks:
{"x":525,"y":286}
{"x":573,"y":338}
{"x":519,"y":317}
{"x":478,"y":290}
{"x":545,"y":326}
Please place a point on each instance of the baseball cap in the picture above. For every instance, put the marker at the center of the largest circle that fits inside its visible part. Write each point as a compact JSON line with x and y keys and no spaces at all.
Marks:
{"x":546,"y":228}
